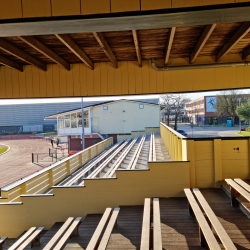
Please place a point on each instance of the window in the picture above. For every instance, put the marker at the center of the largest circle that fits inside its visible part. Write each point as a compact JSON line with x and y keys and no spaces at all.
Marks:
{"x":86,"y":119}
{"x":79,"y":119}
{"x":141,"y":106}
{"x":73,"y":121}
{"x":105,"y":107}
{"x":61,"y":122}
{"x":67,"y":121}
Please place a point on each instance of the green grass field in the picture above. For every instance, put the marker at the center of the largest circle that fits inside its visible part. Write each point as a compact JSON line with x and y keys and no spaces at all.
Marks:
{"x":243,"y":133}
{"x":2,"y":150}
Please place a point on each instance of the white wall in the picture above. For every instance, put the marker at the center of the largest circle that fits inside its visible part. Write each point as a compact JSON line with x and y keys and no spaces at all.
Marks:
{"x":112,"y":120}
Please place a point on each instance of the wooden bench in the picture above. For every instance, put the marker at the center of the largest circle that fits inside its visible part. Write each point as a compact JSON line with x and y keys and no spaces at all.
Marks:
{"x":72,"y":231}
{"x":219,"y":229}
{"x":145,"y":235}
{"x":33,"y":239}
{"x":23,"y":238}
{"x":243,"y":184}
{"x":93,"y":244}
{"x":207,"y":237}
{"x":157,"y":241}
{"x":109,"y":229}
{"x":2,"y":240}
{"x":236,"y":189}
{"x":59,"y":234}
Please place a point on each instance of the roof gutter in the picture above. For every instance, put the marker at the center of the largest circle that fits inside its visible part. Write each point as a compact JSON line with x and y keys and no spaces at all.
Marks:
{"x":200,"y":66}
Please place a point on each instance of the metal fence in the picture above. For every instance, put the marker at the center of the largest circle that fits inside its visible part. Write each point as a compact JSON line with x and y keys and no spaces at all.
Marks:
{"x":48,"y":157}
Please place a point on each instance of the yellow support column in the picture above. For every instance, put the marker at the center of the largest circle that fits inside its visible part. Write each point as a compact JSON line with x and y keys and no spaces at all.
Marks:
{"x":68,"y":167}
{"x":179,"y":149}
{"x":217,"y":162}
{"x":191,"y":158}
{"x":51,"y":178}
{"x":80,"y":159}
{"x":175,"y":148}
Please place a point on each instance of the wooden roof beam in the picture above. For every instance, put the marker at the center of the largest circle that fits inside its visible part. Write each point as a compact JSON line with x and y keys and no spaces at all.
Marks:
{"x":169,"y":44}
{"x":238,"y":35}
{"x":137,"y":46}
{"x":69,"y":42}
{"x":9,"y":63}
{"x":202,"y":41}
{"x":39,"y":46}
{"x":245,"y":54}
{"x":10,"y":48}
{"x":102,"y":42}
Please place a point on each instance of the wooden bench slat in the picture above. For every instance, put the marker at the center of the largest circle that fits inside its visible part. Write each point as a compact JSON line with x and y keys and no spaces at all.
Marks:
{"x":243,"y":184}
{"x":145,"y":235}
{"x":68,"y":233}
{"x":59,"y":233}
{"x":109,"y":229}
{"x":238,"y":188}
{"x":94,"y":240}
{"x":2,"y":240}
{"x":221,"y":232}
{"x":207,"y":231}
{"x":157,"y":225}
{"x":22,"y":239}
{"x":31,"y":238}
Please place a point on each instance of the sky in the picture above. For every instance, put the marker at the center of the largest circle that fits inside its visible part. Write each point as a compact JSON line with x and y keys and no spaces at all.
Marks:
{"x":192,"y":96}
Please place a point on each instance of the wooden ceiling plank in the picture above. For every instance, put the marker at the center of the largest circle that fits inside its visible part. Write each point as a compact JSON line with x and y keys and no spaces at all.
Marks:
{"x":69,"y":42}
{"x":9,"y":63}
{"x":9,"y":48}
{"x":202,"y":41}
{"x":137,"y":46}
{"x":245,"y":54}
{"x":238,"y":35}
{"x":102,"y":42}
{"x":39,"y":46}
{"x":169,"y":44}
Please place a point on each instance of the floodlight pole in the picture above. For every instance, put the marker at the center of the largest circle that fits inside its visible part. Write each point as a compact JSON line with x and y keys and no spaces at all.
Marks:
{"x":83,"y":140}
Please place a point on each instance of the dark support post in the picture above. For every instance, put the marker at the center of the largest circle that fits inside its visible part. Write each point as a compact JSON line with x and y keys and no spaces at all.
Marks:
{"x":202,"y":238}
{"x":32,"y":158}
{"x":234,"y":193}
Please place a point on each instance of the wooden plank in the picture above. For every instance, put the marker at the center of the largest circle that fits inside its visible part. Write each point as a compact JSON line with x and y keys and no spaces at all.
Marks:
{"x":238,"y":35}
{"x":33,"y":239}
{"x":109,"y":229}
{"x":102,"y":42}
{"x":221,"y":232}
{"x":245,"y":54}
{"x":59,"y":233}
{"x":2,"y":240}
{"x":145,"y":235}
{"x":9,"y":48}
{"x":137,"y":46}
{"x":202,"y":41}
{"x":39,"y":46}
{"x":157,"y":240}
{"x":243,"y":184}
{"x":238,"y":188}
{"x":169,"y":44}
{"x":68,"y":233}
{"x":9,"y":63}
{"x":206,"y":230}
{"x":70,"y":43}
{"x":94,"y":240}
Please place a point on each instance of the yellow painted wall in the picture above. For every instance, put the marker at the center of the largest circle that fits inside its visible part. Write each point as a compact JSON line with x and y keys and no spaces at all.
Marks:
{"x":10,"y":9}
{"x":163,"y":179}
{"x":80,"y":81}
{"x":114,"y":120}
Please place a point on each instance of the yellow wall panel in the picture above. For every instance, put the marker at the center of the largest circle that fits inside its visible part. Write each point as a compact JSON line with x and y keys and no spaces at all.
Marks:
{"x":65,"y":7}
{"x":145,"y":77}
{"x":104,"y":78}
{"x":2,"y":83}
{"x":118,"y":80}
{"x":124,"y":6}
{"x":15,"y":84}
{"x":10,"y":9}
{"x":43,"y":83}
{"x":131,"y":77}
{"x":152,"y":80}
{"x":138,"y":80}
{"x":56,"y":80}
{"x":178,"y":3}
{"x":95,"y":7}
{"x":111,"y":79}
{"x":156,"y":4}
{"x":29,"y":81}
{"x":76,"y":78}
{"x":49,"y":81}
{"x":36,"y":81}
{"x":8,"y":82}
{"x":70,"y":83}
{"x":83,"y":80}
{"x":124,"y":72}
{"x":97,"y":79}
{"x":90,"y":82}
{"x":240,"y":77}
{"x":36,"y":8}
{"x":212,"y":2}
{"x":160,"y":81}
{"x":63,"y":81}
{"x":22,"y":84}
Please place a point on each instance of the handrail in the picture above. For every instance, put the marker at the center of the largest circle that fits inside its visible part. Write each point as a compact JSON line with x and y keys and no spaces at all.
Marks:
{"x":173,"y":131}
{"x":8,"y":188}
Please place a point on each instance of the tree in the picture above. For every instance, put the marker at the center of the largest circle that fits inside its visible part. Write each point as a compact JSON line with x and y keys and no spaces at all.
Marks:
{"x":243,"y":111}
{"x":174,"y":103}
{"x":227,"y":103}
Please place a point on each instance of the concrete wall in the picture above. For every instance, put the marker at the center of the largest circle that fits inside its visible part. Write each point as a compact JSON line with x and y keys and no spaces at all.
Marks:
{"x":114,"y":120}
